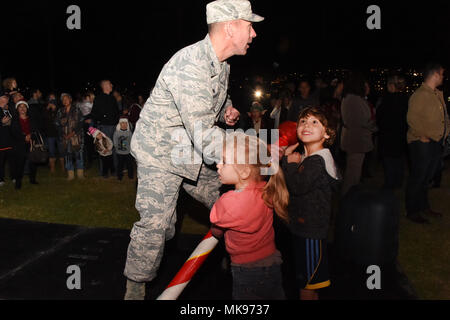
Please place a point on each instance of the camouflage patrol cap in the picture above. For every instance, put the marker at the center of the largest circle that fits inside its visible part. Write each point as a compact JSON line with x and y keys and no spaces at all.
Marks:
{"x":227,"y":10}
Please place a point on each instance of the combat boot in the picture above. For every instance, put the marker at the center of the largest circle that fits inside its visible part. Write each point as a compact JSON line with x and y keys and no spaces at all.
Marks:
{"x":80,"y":174}
{"x":70,"y":175}
{"x":135,"y":290}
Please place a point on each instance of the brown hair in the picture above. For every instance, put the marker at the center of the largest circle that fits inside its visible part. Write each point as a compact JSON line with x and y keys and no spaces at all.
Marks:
{"x":275,"y":193}
{"x":326,"y":119}
{"x":7,"y":83}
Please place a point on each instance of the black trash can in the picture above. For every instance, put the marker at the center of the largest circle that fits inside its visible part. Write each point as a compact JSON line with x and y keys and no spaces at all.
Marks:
{"x":367,"y":226}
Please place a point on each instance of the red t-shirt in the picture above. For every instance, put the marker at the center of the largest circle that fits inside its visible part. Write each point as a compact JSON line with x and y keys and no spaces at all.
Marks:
{"x":249,"y":234}
{"x":25,"y":125}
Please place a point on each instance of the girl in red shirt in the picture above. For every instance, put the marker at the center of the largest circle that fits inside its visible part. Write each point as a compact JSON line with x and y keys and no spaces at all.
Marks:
{"x":245,"y":217}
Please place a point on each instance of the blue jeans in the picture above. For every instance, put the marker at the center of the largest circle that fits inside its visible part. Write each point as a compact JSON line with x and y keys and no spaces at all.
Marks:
{"x":425,"y":158}
{"x":74,"y":159}
{"x":54,"y":147}
{"x":260,"y":283}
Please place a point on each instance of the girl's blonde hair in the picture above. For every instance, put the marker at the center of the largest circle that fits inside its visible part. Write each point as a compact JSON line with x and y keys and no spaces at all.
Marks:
{"x":252,"y":151}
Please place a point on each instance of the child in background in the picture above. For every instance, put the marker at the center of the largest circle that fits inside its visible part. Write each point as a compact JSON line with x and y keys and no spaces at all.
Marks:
{"x":122,"y":139}
{"x":245,"y":217}
{"x":311,"y":180}
{"x":103,"y":145}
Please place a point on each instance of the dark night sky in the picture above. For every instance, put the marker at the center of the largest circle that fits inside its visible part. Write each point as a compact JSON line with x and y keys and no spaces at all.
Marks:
{"x":130,"y":40}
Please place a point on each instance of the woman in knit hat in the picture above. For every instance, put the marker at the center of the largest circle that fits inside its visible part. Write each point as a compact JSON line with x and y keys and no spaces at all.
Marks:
{"x":21,"y":128}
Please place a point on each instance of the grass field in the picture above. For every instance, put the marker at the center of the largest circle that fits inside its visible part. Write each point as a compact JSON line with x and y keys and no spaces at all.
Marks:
{"x":99,"y":202}
{"x":424,"y":249}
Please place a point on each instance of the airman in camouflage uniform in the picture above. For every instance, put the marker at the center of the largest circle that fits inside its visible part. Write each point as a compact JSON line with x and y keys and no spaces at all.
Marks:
{"x":191,"y":91}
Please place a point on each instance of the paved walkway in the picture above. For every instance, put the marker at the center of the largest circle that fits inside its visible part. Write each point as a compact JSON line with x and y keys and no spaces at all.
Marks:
{"x":34,"y":258}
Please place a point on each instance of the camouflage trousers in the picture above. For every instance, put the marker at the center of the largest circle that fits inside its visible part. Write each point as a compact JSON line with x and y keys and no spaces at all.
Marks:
{"x":156,"y":202}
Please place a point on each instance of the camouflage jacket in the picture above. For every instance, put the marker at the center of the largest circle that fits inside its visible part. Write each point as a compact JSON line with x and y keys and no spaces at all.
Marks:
{"x":190,"y":90}
{"x":67,"y":123}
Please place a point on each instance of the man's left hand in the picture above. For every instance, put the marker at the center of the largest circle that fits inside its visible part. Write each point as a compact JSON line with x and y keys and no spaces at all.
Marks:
{"x":231,"y":116}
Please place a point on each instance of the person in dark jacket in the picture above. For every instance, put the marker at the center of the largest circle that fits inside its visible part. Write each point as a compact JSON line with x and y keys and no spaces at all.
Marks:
{"x":331,"y":99}
{"x":86,"y":107}
{"x":105,"y":113}
{"x":10,"y":87}
{"x":135,"y":111}
{"x":6,"y":139}
{"x":21,"y":128}
{"x":311,"y":178}
{"x":286,"y":106}
{"x":392,"y":125}
{"x":52,"y":142}
{"x":302,"y":100}
{"x":257,"y":119}
{"x":105,"y":110}
{"x":120,"y":101}
{"x":358,"y":126}
{"x":36,"y":108}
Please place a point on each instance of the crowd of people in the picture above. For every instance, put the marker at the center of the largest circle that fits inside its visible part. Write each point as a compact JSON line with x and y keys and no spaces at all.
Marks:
{"x":334,"y":132}
{"x":391,"y":124}
{"x":338,"y":128}
{"x":336,"y":123}
{"x":63,"y":123}
{"x":400,"y":131}
{"x":406,"y":133}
